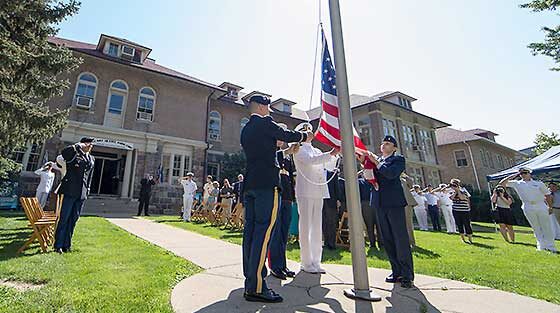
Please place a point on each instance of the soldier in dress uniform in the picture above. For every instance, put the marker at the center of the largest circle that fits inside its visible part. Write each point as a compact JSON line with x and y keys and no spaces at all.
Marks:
{"x":261,"y":194}
{"x":75,"y":188}
{"x":279,"y":240}
{"x":390,"y":203}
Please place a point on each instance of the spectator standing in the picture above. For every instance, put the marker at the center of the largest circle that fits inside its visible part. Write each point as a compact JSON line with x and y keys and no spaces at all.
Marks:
{"x":145,"y":194}
{"x":462,"y":212}
{"x":502,"y":201}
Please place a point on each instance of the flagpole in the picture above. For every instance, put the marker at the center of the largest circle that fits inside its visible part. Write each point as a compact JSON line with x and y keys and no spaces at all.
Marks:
{"x":361,"y":288}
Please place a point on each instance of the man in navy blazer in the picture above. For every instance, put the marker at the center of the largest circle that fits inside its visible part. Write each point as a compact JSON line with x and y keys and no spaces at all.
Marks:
{"x":390,"y":203}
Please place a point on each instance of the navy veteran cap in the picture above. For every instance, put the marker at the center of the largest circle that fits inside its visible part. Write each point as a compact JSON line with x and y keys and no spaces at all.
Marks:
{"x":390,"y":139}
{"x":87,"y":140}
{"x":260,"y":99}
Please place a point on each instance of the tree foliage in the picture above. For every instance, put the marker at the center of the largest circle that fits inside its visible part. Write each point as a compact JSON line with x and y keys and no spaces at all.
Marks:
{"x":233,"y":165}
{"x":544,"y":142}
{"x":551,"y":45}
{"x":30,"y":73}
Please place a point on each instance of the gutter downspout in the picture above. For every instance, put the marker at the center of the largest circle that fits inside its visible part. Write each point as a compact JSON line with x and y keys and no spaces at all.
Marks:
{"x":473,"y":165}
{"x":206,"y":135}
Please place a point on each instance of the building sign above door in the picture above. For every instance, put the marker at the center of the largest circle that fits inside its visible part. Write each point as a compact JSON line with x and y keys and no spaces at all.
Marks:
{"x":110,"y":143}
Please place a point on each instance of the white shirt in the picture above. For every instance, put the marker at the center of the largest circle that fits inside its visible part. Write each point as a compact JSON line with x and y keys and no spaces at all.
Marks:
{"x":420,"y":200}
{"x":47,"y":179}
{"x":531,"y":192}
{"x":445,"y":197}
{"x":311,"y":175}
{"x":189,"y":187}
{"x":208,"y":187}
{"x":431,"y":198}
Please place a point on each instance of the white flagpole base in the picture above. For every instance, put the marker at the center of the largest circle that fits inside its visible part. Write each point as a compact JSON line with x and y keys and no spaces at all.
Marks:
{"x":367,"y":295}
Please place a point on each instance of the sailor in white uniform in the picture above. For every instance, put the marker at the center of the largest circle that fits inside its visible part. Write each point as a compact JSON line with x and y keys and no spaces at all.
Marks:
{"x":537,"y":206}
{"x":311,"y":188}
{"x":189,"y":188}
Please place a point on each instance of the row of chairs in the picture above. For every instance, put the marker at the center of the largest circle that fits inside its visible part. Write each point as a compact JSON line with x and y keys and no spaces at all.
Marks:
{"x":43,"y":223}
{"x":221,"y":214}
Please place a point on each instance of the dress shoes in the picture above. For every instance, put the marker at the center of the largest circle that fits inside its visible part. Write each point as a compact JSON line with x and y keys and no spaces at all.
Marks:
{"x":267,"y":296}
{"x":278,"y":274}
{"x":289,"y":273}
{"x":392,"y":279}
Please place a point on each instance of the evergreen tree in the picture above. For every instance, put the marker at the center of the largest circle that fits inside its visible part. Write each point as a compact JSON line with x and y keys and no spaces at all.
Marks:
{"x":551,"y":45}
{"x":30,"y":73}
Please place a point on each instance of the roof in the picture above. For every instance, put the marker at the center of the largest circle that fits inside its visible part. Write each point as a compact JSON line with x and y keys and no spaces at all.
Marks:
{"x":477,"y":131}
{"x":357,"y":101}
{"x":132,"y":43}
{"x":448,"y":135}
{"x":149,"y":64}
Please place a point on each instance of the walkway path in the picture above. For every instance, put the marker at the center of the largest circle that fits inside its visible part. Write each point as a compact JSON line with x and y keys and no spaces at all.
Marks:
{"x":220,"y":287}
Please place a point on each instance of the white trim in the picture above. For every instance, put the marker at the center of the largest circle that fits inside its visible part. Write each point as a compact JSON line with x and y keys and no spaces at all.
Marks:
{"x":210,"y":118}
{"x":96,"y":84}
{"x":117,"y":91}
{"x":154,"y":97}
{"x":455,"y":158}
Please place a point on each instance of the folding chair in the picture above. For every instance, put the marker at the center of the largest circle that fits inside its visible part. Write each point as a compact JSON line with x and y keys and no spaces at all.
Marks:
{"x":343,"y":233}
{"x":43,"y":227}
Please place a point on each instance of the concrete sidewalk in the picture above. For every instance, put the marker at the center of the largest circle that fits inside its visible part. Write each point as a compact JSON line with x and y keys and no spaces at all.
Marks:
{"x":220,"y":287}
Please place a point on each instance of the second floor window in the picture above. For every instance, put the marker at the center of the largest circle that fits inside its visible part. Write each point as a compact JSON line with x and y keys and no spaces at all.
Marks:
{"x":113,"y":50}
{"x":408,"y":136}
{"x":389,"y":128}
{"x":364,"y":130}
{"x":461,"y":158}
{"x":214,"y":126}
{"x":117,"y":97}
{"x":85,"y":91}
{"x":146,"y":103}
{"x":483,"y":158}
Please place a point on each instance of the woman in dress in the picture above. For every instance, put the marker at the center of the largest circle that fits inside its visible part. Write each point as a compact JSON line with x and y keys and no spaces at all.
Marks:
{"x":502,"y":200}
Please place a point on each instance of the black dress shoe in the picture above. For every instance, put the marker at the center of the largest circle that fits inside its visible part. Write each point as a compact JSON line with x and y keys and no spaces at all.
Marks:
{"x":278,"y":274}
{"x":289,"y":273}
{"x":392,"y":279}
{"x":59,"y":250}
{"x":406,"y":283}
{"x":267,"y":296}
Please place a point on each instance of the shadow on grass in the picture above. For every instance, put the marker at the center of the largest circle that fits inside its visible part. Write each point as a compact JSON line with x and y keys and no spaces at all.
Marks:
{"x":425,"y":253}
{"x":484,"y":246}
{"x":525,"y":244}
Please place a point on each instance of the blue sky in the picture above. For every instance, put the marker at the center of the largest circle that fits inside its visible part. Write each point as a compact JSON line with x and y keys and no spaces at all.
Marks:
{"x":465,"y":61}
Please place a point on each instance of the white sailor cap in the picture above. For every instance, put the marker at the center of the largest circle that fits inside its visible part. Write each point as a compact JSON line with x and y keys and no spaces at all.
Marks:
{"x":305,"y":126}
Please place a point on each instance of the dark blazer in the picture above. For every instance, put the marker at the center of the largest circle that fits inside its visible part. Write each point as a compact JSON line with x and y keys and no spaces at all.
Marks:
{"x":79,"y":172}
{"x":146,"y":186}
{"x":388,"y":174}
{"x":258,"y":139}
{"x":365,"y":189}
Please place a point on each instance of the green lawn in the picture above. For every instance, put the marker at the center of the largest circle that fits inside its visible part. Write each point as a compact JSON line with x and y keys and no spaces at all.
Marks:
{"x":489,"y":262}
{"x":109,"y":270}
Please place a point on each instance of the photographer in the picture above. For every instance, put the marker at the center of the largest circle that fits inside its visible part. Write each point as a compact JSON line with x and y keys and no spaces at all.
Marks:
{"x":502,"y":201}
{"x":145,"y":193}
{"x":462,"y":212}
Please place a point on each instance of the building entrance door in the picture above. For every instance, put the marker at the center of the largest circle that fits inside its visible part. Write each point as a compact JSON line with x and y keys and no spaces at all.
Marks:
{"x":106,"y":175}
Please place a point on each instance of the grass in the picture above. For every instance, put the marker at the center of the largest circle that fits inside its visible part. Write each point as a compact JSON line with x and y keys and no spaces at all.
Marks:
{"x":109,"y":270}
{"x":489,"y":262}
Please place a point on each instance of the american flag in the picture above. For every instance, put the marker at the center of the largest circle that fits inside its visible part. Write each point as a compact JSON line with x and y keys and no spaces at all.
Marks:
{"x":329,"y":130}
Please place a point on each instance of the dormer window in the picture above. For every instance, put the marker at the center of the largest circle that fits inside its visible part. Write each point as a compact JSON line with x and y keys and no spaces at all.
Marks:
{"x":404,"y":103}
{"x":113,"y":50}
{"x":286,"y":108}
{"x":232,"y":92}
{"x":127,"y":52}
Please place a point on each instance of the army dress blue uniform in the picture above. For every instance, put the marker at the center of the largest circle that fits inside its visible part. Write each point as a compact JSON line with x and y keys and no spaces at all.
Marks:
{"x":75,"y":188}
{"x":390,"y":202}
{"x":261,"y":193}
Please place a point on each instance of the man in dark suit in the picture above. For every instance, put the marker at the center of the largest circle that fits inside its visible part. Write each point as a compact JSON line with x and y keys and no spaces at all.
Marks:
{"x":238,"y":190}
{"x":330,"y":211}
{"x":145,"y":194}
{"x":390,"y":203}
{"x":261,"y":193}
{"x":75,"y":189}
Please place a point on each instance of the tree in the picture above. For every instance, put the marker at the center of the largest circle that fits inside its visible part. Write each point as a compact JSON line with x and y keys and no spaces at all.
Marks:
{"x":551,"y":45}
{"x":233,"y":165}
{"x":544,"y":142}
{"x":30,"y":73}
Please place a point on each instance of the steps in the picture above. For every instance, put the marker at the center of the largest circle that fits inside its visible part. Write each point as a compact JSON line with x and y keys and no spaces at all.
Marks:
{"x":110,"y":206}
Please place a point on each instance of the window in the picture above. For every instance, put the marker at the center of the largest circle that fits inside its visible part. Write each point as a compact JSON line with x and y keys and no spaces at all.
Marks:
{"x":286,"y":108}
{"x":146,"y":102}
{"x":232,"y":92}
{"x":490,"y":159}
{"x":214,"y":126}
{"x":408,"y":137}
{"x":33,"y":160}
{"x":127,"y":52}
{"x":433,"y":178}
{"x":404,"y":102}
{"x":500,"y":160}
{"x":176,"y":166}
{"x":417,"y":176}
{"x":364,"y":130}
{"x":389,"y":128}
{"x":113,"y":50}
{"x":85,"y":91}
{"x":461,"y":158}
{"x":18,"y":154}
{"x":483,"y":158}
{"x":244,"y":122}
{"x":117,"y":97}
{"x":213,"y":169}
{"x":186,"y":164}
{"x":426,"y":144}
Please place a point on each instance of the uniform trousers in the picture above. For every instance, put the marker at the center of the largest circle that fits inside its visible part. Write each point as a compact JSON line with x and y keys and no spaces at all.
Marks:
{"x":187,"y":207}
{"x":447,"y":212}
{"x":370,"y":219}
{"x":310,"y":224}
{"x":539,"y":219}
{"x":421,"y":217}
{"x":330,"y":223}
{"x":261,"y":211}
{"x":143,"y":204}
{"x":279,"y":240}
{"x":42,"y":197}
{"x":396,"y":242}
{"x":69,"y":214}
{"x":433,"y":211}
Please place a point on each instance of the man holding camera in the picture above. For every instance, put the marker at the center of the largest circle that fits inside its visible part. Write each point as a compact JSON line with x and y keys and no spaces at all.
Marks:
{"x":537,"y":206}
{"x":145,"y":194}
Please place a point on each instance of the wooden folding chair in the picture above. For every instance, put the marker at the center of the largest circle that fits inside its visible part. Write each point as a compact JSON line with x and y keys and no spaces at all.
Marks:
{"x":43,"y":228}
{"x":236,"y":220}
{"x":226,"y":211}
{"x":343,"y":233}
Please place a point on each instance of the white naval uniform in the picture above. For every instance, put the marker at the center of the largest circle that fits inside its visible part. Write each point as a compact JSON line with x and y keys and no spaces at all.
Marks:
{"x":421,"y":210}
{"x":189,"y":187}
{"x":445,"y":204}
{"x":44,"y":188}
{"x":532,"y":193}
{"x":311,"y":189}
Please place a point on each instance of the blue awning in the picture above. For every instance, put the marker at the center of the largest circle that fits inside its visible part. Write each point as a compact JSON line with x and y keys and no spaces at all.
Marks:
{"x":546,"y":166}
